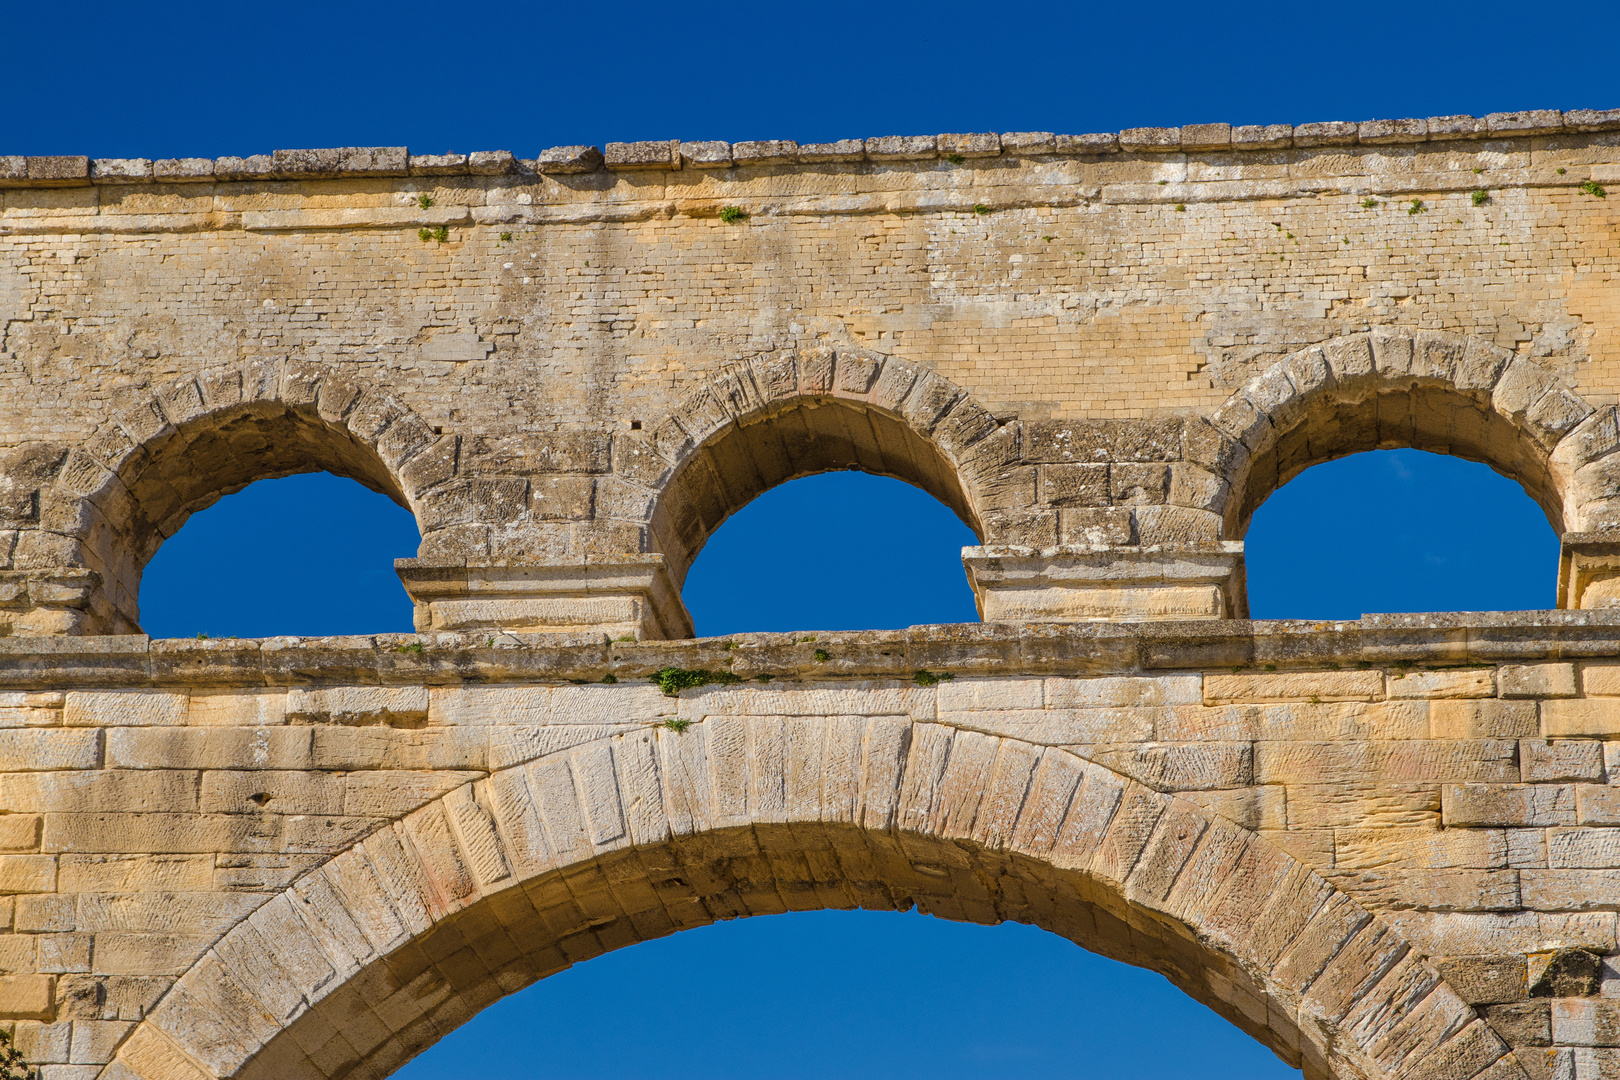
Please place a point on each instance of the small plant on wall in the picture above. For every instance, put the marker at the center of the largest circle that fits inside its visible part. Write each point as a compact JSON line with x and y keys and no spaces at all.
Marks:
{"x":12,"y":1065}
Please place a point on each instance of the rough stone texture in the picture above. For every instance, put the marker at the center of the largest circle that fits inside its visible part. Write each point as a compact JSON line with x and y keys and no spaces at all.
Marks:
{"x":1072,"y":340}
{"x":281,"y":858}
{"x":1385,"y":848}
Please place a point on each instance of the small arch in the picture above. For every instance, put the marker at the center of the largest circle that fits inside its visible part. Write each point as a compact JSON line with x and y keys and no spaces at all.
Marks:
{"x":1392,"y":388}
{"x":372,"y":956}
{"x":755,"y":424}
{"x":118,"y":496}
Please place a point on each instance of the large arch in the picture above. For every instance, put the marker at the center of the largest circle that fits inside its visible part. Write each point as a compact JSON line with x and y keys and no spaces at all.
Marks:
{"x":375,"y":955}
{"x":1392,"y":388}
{"x":178,"y":450}
{"x":774,"y":418}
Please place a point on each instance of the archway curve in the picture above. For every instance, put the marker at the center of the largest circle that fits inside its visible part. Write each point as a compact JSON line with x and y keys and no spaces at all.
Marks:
{"x":1392,"y":388}
{"x":180,"y":449}
{"x":758,"y":423}
{"x":373,"y":956}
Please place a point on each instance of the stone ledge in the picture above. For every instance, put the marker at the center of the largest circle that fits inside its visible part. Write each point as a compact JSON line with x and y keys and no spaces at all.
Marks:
{"x":344,"y":162}
{"x":447,"y":658}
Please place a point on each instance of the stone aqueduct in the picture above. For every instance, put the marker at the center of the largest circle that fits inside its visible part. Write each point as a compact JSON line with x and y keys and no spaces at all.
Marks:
{"x":1385,"y":848}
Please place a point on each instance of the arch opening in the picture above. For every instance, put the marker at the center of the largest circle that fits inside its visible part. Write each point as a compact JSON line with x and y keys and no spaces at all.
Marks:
{"x":853,"y":994}
{"x":188,"y":467}
{"x":310,"y":554}
{"x":1397,"y":531}
{"x":834,"y":551}
{"x":1433,"y":418}
{"x":390,"y":1011}
{"x":376,"y":954}
{"x":803,"y":437}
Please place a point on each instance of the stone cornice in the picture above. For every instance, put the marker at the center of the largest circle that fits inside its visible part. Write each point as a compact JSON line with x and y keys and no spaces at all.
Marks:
{"x":1385,"y":641}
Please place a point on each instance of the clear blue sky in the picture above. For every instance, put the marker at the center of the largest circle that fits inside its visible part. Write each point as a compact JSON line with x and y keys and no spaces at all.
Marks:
{"x":851,"y":995}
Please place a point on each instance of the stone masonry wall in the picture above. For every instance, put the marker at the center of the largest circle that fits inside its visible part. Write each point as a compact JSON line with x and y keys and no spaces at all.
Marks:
{"x":1112,"y":340}
{"x":1455,"y":782}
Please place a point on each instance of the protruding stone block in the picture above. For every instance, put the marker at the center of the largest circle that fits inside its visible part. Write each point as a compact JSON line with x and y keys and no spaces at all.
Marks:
{"x":1111,"y":584}
{"x":629,"y":595}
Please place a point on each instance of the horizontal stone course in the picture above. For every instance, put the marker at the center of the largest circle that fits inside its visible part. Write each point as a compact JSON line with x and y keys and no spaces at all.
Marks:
{"x":396,"y":161}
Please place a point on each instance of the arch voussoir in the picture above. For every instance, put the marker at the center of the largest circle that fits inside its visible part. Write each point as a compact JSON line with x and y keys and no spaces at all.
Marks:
{"x":1391,"y":387}
{"x":119,"y":495}
{"x":383,"y":949}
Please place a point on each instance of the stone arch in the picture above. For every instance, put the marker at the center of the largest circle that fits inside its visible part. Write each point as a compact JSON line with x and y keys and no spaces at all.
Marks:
{"x":176,"y":451}
{"x":1430,"y":391}
{"x":758,"y":423}
{"x":376,"y":954}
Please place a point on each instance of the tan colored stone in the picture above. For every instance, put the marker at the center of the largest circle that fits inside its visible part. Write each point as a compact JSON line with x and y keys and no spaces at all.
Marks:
{"x":128,"y":708}
{"x":1580,"y":716}
{"x":1294,"y":686}
{"x":27,"y":997}
{"x":1474,"y":683}
{"x":1537,"y":680}
{"x":1482,"y":719}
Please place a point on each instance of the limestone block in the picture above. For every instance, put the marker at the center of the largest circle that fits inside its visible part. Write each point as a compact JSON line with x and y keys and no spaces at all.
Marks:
{"x":43,"y":1044}
{"x":208,"y":748}
{"x":964,"y":695}
{"x":397,"y":706}
{"x":1508,"y":804}
{"x":1059,"y":727}
{"x":842,"y":150}
{"x":1578,"y":848}
{"x":1432,"y":890}
{"x":1112,"y":691}
{"x":658,"y":154}
{"x":27,"y":873}
{"x":1570,"y":889}
{"x":1482,"y":719}
{"x":170,"y":790}
{"x":1600,"y":680}
{"x":279,"y":792}
{"x":1522,"y":1023}
{"x":95,"y":1041}
{"x":569,"y":159}
{"x":969,"y":146}
{"x":765,"y":152}
{"x":43,"y":750}
{"x":706,"y":155}
{"x":135,"y":873}
{"x":1354,"y":764}
{"x":388,"y":748}
{"x":1375,"y":848}
{"x":1476,"y":683}
{"x":1028,"y":142}
{"x":389,"y":793}
{"x":1480,"y":933}
{"x":149,"y":1053}
{"x":1294,"y":686}
{"x":1586,"y":1022}
{"x":189,"y":834}
{"x":1485,"y":980}
{"x":1553,"y":760}
{"x":901,"y":148}
{"x":27,"y":997}
{"x":1580,"y":716}
{"x":18,"y":953}
{"x":19,"y":832}
{"x":1537,"y":680}
{"x":64,"y":953}
{"x":237,"y":708}
{"x":1598,"y":804}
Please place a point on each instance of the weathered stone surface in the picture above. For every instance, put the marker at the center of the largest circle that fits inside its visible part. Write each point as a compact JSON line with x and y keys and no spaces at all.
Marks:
{"x":244,"y":849}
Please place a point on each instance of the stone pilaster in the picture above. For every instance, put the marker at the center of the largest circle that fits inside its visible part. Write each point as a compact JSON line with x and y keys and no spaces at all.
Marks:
{"x":1589,"y":570}
{"x":619,"y":595}
{"x":1079,"y":583}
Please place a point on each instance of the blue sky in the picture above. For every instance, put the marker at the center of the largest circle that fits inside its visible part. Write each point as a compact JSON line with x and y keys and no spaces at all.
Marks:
{"x":847,"y":994}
